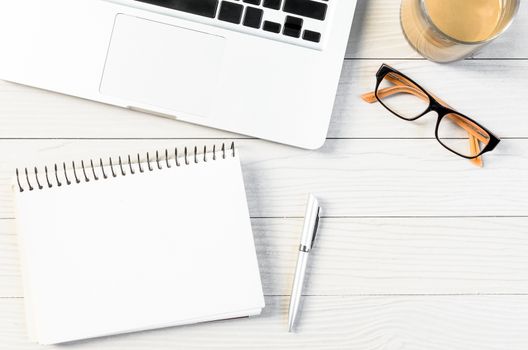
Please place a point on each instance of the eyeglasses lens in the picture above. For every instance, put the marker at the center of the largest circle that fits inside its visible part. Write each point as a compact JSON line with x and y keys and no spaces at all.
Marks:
{"x":401,"y":96}
{"x":462,"y":135}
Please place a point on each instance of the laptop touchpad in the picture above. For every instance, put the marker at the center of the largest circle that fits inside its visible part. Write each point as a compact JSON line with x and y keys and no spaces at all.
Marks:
{"x":164,"y":66}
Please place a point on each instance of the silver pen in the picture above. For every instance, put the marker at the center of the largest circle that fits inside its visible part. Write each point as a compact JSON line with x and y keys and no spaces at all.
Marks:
{"x":311,"y":223}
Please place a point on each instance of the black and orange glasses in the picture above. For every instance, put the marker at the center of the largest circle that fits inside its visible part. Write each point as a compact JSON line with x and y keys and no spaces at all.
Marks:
{"x":409,"y":101}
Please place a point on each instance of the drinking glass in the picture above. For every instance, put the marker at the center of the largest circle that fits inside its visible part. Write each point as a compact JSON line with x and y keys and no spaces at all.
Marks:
{"x":449,"y":30}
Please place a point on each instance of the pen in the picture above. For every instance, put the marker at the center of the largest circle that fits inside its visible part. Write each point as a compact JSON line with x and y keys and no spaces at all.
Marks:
{"x":311,"y":223}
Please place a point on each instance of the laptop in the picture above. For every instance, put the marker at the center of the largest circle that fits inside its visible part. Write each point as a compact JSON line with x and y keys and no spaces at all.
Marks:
{"x":264,"y":68}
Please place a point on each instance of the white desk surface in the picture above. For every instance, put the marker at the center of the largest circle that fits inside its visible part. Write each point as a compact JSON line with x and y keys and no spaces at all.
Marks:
{"x":418,"y":249}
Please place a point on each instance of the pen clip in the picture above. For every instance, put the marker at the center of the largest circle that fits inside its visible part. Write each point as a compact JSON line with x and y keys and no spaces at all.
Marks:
{"x":316,"y":226}
{"x":311,"y":224}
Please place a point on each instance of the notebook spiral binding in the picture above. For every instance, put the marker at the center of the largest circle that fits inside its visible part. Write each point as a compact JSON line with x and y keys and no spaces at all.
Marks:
{"x":87,"y":173}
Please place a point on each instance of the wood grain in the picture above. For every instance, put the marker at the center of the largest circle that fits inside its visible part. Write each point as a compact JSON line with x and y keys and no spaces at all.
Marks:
{"x":473,"y":87}
{"x":352,"y":323}
{"x":359,"y":256}
{"x":418,"y":249}
{"x":352,"y":177}
{"x":376,"y":32}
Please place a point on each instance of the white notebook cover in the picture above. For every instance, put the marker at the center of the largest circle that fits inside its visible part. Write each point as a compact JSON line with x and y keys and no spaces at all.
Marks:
{"x":149,"y":250}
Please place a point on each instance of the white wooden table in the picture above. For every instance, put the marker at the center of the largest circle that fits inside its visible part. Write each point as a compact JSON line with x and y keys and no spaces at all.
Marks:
{"x":418,"y":249}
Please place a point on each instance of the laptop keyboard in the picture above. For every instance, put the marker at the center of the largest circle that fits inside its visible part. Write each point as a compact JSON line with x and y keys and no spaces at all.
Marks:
{"x":301,"y":22}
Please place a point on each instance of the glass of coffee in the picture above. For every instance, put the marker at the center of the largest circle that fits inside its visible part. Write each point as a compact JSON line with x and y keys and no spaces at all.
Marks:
{"x":448,"y":30}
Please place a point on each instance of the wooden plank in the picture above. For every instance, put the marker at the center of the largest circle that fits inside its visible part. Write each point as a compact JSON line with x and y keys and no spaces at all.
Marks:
{"x":472,"y":87}
{"x":352,"y":177}
{"x":376,"y":33}
{"x":354,"y":323}
{"x":371,"y":256}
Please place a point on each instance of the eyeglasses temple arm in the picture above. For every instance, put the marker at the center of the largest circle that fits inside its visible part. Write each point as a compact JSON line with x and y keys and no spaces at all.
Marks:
{"x":370,"y":97}
{"x":419,"y":93}
{"x":475,"y":150}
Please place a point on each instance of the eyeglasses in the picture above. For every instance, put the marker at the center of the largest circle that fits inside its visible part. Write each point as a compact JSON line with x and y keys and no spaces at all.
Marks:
{"x":409,"y":101}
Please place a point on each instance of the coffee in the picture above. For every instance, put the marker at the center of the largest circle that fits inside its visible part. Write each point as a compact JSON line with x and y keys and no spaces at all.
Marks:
{"x":465,"y":20}
{"x":448,"y":30}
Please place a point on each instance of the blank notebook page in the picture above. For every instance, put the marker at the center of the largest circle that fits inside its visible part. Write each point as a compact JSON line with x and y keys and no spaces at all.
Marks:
{"x":154,"y":249}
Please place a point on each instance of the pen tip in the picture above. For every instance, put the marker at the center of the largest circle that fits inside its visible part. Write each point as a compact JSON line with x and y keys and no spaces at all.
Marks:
{"x":290,"y":325}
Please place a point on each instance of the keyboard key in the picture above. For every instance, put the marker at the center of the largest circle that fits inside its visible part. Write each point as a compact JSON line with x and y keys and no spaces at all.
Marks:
{"x":272,"y":4}
{"x":230,"y":12}
{"x":253,"y":17}
{"x":312,"y":36}
{"x":272,"y":27}
{"x":206,"y":8}
{"x":292,"y":26}
{"x":306,"y":8}
{"x":251,"y":14}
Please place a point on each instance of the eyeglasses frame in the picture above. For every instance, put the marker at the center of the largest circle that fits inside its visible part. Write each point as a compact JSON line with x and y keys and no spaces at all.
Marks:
{"x":434,"y":106}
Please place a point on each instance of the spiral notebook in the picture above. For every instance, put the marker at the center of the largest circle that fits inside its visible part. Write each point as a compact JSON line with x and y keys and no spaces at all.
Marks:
{"x":131,"y":246}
